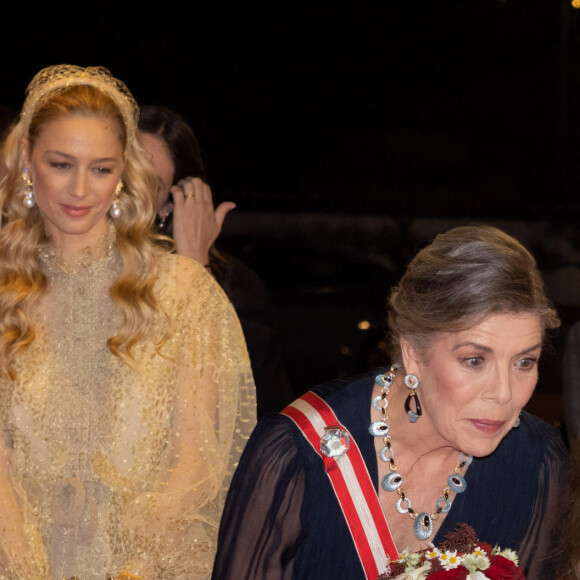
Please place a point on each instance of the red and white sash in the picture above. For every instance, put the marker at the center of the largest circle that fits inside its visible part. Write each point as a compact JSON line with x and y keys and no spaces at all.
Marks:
{"x":352,"y":485}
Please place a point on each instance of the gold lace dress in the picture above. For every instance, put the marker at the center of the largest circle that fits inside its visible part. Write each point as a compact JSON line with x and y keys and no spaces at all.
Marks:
{"x":102,"y":468}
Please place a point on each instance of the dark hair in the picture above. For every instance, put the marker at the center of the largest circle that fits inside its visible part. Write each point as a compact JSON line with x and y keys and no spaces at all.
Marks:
{"x":180,"y":138}
{"x":462,"y":277}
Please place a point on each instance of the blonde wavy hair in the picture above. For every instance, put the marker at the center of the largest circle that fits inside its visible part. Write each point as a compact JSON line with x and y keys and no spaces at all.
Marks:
{"x":92,"y":92}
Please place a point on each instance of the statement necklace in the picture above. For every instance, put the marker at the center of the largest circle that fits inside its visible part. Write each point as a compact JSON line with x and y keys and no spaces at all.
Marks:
{"x":423,"y":522}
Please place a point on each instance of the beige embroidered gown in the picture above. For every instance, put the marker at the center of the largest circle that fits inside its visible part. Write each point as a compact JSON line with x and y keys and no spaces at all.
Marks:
{"x":112,"y":469}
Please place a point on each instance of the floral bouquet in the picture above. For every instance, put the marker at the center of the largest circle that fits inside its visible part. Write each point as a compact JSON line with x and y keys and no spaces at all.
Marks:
{"x":460,"y":557}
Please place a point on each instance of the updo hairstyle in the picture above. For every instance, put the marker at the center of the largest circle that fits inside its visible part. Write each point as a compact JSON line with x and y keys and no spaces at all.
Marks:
{"x":461,"y":278}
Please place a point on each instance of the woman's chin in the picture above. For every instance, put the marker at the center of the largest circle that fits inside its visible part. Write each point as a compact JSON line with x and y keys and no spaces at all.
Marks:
{"x":483,"y":447}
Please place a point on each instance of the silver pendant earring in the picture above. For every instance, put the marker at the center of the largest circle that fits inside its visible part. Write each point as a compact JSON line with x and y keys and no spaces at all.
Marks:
{"x":412,"y":382}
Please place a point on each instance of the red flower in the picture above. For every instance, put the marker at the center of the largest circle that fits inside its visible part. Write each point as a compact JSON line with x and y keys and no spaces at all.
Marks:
{"x":396,"y":568}
{"x":459,"y":573}
{"x":503,"y":569}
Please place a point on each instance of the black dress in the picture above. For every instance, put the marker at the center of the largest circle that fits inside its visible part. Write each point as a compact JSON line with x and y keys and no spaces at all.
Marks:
{"x":282,"y":519}
{"x":253,"y":305}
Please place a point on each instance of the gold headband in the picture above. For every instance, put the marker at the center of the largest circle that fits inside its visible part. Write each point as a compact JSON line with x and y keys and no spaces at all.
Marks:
{"x":53,"y":79}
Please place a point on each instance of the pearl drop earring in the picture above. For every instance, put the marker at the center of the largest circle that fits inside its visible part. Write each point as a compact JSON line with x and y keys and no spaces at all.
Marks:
{"x":116,"y":210}
{"x":29,"y":201}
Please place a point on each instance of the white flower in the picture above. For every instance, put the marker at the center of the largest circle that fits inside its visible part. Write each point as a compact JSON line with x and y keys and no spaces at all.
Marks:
{"x":476,"y":561}
{"x":412,"y":560}
{"x":450,"y":560}
{"x":510,"y":555}
{"x":479,"y":551}
{"x":432,"y":553}
{"x":477,"y":576}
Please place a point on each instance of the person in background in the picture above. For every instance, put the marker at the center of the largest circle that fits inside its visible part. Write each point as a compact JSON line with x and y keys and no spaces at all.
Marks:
{"x":185,"y":211}
{"x":360,"y":470}
{"x":570,"y":569}
{"x":571,"y":385}
{"x":126,"y":393}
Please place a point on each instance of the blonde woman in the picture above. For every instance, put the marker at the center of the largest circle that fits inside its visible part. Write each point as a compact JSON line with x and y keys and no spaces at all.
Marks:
{"x":126,"y":393}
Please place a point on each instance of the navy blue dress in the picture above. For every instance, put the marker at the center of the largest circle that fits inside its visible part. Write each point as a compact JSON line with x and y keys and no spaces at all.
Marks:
{"x":282,"y":519}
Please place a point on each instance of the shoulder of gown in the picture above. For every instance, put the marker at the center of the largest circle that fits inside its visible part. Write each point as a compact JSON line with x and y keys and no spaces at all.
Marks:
{"x":184,"y":273}
{"x":213,"y":412}
{"x":280,"y":501}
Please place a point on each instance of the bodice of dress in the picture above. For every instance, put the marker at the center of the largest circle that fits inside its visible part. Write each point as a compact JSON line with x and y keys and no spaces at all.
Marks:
{"x":120,"y":468}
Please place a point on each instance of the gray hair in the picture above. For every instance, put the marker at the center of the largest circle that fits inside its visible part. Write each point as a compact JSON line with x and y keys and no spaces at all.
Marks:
{"x":462,"y":277}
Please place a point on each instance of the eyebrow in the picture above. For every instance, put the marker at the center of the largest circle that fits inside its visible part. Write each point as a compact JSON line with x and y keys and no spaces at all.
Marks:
{"x":489,"y":349}
{"x":67,"y":156}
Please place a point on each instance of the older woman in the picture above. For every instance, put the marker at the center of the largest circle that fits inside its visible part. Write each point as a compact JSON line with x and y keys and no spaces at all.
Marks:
{"x":125,"y":388}
{"x":359,"y":470}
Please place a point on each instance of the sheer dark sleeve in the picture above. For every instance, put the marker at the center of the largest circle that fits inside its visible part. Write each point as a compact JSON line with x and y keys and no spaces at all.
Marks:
{"x":261,"y":529}
{"x":540,"y":548}
{"x":571,"y":382}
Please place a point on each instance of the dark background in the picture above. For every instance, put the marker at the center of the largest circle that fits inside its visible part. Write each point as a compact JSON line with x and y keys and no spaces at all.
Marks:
{"x":355,"y":106}
{"x":349,"y":133}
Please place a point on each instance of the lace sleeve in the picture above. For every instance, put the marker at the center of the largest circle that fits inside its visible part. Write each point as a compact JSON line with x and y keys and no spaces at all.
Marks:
{"x":22,"y":553}
{"x":261,"y":529}
{"x":170,"y":531}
